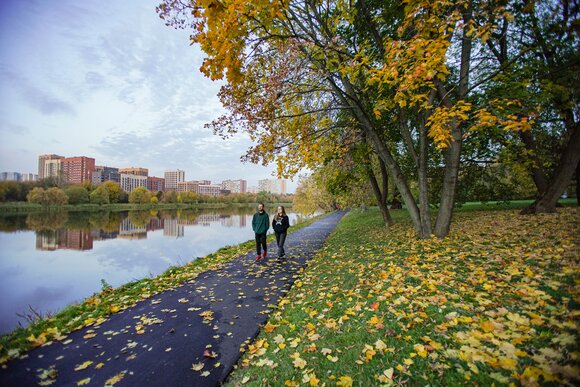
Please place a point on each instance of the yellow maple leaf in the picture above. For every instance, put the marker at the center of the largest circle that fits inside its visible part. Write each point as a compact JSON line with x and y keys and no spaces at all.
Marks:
{"x":270,"y":327}
{"x":299,"y":363}
{"x":507,"y":363}
{"x":487,"y":326}
{"x":380,"y":345}
{"x":344,"y":381}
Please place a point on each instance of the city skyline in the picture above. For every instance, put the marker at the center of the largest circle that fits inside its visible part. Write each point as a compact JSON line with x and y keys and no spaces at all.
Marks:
{"x":110,"y":80}
{"x":82,"y":169}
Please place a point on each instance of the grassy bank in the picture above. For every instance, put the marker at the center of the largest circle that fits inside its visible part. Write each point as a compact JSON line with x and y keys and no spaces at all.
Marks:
{"x":95,"y":310}
{"x":497,"y":302}
{"x":23,"y":207}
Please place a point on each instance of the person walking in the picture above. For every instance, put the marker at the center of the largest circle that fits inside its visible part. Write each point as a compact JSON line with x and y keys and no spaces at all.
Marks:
{"x":260,"y":225}
{"x":280,"y":224}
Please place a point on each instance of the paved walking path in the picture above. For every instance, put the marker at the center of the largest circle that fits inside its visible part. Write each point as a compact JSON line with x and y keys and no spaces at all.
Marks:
{"x":203,"y":322}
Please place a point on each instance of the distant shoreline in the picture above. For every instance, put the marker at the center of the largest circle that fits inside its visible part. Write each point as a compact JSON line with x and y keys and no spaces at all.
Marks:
{"x":16,"y":208}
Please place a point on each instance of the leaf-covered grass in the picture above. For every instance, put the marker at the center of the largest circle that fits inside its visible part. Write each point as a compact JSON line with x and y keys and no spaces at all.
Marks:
{"x":96,"y":309}
{"x":496,"y":302}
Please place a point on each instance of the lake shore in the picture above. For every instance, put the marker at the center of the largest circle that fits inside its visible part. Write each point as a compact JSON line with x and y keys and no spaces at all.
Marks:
{"x":110,"y":300}
{"x":24,"y":208}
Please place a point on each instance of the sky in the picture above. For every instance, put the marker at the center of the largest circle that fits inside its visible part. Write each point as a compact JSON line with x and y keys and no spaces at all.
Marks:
{"x":107,"y":79}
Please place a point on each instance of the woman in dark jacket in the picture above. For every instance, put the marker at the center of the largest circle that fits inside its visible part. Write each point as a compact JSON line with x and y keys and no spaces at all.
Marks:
{"x":280,"y":224}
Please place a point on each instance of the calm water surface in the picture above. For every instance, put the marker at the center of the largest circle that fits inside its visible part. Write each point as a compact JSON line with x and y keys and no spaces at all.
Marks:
{"x":49,"y":261}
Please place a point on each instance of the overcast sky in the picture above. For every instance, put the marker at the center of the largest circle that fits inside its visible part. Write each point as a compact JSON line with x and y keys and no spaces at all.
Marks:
{"x":107,"y":79}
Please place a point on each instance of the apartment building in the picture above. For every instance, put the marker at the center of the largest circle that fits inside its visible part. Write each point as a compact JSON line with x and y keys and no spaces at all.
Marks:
{"x":209,"y":189}
{"x":155,"y":184}
{"x":172,"y":177}
{"x":130,"y":182}
{"x":102,"y":174}
{"x":77,"y":170}
{"x":134,"y":171}
{"x":275,"y":186}
{"x":235,"y":186}
{"x":53,"y":169}
{"x":187,"y":186}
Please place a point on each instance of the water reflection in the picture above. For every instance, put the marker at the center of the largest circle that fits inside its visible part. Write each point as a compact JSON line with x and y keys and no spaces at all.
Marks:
{"x":77,"y":231}
{"x":50,"y":260}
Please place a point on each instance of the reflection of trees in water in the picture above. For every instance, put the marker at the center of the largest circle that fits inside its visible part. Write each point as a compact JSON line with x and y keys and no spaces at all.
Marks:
{"x":110,"y":221}
{"x":106,"y":220}
{"x":12,"y":223}
{"x":52,"y":220}
{"x":139,"y":218}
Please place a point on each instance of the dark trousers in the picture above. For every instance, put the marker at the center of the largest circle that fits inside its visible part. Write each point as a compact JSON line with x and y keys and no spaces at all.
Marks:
{"x":261,"y":243}
{"x":280,"y":239}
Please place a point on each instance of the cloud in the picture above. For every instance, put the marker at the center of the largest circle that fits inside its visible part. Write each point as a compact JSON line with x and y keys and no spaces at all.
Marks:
{"x":95,"y":80}
{"x":16,"y":129}
{"x":36,"y":98}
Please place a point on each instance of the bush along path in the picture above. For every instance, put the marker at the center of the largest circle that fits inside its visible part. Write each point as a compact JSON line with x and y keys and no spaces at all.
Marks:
{"x":190,"y":335}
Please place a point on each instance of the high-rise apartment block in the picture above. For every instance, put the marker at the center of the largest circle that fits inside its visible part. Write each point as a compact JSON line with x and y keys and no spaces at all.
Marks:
{"x":155,"y":184}
{"x":172,"y":177}
{"x":102,"y":174}
{"x":134,"y":171}
{"x":49,"y":166}
{"x":275,"y":186}
{"x":28,"y":177}
{"x":77,"y":170}
{"x":130,"y":182}
{"x":9,"y":176}
{"x":235,"y":186}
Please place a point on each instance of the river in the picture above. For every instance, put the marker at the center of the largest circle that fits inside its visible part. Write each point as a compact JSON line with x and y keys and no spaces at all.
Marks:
{"x":49,"y":261}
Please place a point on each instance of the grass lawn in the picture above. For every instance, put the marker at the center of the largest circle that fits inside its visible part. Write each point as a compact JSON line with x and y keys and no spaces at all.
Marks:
{"x":496,"y":302}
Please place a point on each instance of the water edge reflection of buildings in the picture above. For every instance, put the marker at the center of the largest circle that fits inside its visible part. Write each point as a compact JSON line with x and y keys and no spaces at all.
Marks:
{"x":82,"y":239}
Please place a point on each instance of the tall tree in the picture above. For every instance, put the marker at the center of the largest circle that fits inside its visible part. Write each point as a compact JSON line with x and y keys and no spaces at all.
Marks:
{"x":292,"y":67}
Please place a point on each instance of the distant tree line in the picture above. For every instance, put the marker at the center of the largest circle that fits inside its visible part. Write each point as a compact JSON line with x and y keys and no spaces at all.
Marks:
{"x":47,"y":192}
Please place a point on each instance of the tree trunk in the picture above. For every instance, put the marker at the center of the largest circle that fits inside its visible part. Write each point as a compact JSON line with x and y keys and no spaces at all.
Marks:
{"x":452,"y":158}
{"x":538,"y":175}
{"x":380,"y":196}
{"x":422,"y":171}
{"x":450,"y":178}
{"x":350,"y":100}
{"x":578,"y":184}
{"x":561,"y":178}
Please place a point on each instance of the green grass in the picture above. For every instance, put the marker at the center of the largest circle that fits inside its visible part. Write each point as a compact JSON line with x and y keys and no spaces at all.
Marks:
{"x":493,"y":303}
{"x":95,"y":310}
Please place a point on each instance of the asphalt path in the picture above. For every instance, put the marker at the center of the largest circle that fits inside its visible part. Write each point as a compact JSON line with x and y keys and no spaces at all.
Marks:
{"x":188,"y":336}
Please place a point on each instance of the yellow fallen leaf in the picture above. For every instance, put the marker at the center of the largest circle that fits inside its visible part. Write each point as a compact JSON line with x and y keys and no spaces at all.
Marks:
{"x":299,"y":363}
{"x":197,"y":366}
{"x":115,"y":379}
{"x":269,"y":327}
{"x":487,"y":326}
{"x":380,"y":345}
{"x":344,"y":381}
{"x":83,"y":366}
{"x":83,"y":382}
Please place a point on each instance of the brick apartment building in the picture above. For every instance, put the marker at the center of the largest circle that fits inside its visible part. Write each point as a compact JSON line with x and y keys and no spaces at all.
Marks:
{"x":77,"y":170}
